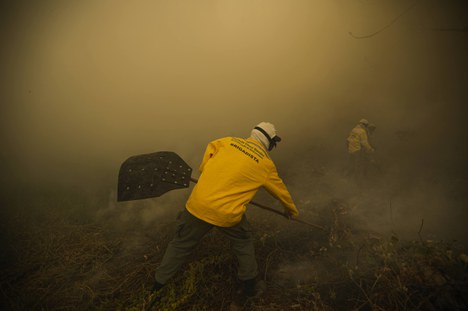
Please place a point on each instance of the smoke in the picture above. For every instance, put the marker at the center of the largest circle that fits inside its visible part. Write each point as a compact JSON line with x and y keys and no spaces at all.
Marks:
{"x":87,"y":84}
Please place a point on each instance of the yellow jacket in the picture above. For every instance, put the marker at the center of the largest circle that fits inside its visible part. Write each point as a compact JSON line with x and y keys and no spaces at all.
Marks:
{"x":358,"y":139}
{"x":232,"y":171}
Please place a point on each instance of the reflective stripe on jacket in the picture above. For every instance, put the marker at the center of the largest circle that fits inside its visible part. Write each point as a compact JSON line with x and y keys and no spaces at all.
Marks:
{"x":232,"y":171}
{"x":358,"y":139}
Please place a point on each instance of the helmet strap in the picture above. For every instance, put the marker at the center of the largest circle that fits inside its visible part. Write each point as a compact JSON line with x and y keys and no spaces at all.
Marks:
{"x":272,"y":141}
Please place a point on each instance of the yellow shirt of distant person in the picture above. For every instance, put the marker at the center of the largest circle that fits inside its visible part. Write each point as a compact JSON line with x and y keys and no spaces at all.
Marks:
{"x":358,"y":139}
{"x":232,"y":171}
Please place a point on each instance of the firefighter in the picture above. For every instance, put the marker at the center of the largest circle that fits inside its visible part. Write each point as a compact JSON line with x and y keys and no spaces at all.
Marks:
{"x":231,"y":172}
{"x":359,"y":149}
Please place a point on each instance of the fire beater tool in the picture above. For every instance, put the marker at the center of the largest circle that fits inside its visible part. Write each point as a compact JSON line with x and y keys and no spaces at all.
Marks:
{"x":151,"y":175}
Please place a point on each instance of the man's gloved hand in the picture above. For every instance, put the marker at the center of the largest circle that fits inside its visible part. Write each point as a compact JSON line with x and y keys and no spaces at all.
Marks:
{"x":288,"y":214}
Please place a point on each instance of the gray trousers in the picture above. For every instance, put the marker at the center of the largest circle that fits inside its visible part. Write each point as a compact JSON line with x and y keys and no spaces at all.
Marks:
{"x":189,"y":232}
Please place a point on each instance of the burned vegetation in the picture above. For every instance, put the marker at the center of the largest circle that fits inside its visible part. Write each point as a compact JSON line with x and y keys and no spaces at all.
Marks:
{"x":58,"y":259}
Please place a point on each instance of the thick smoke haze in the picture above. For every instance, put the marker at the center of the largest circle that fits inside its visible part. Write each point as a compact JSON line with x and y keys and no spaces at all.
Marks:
{"x":86,"y":84}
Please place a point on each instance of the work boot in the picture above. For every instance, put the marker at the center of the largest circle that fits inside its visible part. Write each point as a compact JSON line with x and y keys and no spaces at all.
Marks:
{"x":252,"y":289}
{"x":249,"y":288}
{"x":154,"y":297}
{"x":156,"y":287}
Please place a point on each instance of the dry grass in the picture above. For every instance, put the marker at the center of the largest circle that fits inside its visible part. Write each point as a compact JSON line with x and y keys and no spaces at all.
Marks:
{"x":62,"y":265}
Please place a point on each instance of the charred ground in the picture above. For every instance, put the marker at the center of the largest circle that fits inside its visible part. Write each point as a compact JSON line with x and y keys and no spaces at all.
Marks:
{"x":69,"y":250}
{"x":86,"y":84}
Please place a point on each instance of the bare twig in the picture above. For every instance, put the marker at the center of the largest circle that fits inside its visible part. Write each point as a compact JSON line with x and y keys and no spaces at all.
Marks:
{"x":358,"y":254}
{"x":420,"y":229}
{"x":359,"y":285}
{"x":463,"y":30}
{"x":267,"y":262}
{"x":411,"y":6}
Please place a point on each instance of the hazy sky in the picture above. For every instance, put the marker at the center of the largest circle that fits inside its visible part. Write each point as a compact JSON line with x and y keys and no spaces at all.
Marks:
{"x":92,"y":82}
{"x":87,"y":84}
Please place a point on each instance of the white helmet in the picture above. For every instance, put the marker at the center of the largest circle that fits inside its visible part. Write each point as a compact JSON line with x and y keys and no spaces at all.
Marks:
{"x":266,"y":133}
{"x":364,"y":122}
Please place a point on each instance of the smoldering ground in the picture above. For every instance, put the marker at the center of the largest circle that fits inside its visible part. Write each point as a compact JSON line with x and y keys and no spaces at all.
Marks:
{"x":86,"y":85}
